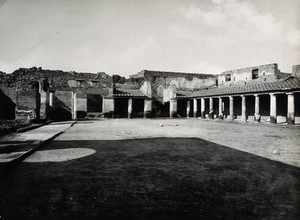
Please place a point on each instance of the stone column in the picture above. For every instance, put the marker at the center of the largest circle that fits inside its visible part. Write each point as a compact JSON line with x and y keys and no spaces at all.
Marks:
{"x":273,"y":110}
{"x":129,"y":108}
{"x":188,"y":108}
{"x":202,"y":108}
{"x":173,"y":108}
{"x":211,"y":108}
{"x":220,"y":108}
{"x":51,"y":97}
{"x":256,"y":112}
{"x":44,"y":101}
{"x":290,"y":108}
{"x":147,"y":108}
{"x":244,"y":118}
{"x":195,"y":108}
{"x":231,"y":108}
{"x":74,"y":99}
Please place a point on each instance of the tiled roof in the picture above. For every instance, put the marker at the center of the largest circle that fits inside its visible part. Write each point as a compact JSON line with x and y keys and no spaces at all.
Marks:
{"x":290,"y":83}
{"x":128,"y":92}
{"x":183,"y":93}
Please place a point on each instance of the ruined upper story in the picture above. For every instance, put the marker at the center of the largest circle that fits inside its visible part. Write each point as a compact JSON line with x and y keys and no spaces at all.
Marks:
{"x":25,"y":79}
{"x":262,"y":73}
{"x":181,"y":80}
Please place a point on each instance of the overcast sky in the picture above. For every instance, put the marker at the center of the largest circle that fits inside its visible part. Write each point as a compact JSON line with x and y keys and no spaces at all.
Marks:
{"x":125,"y":37}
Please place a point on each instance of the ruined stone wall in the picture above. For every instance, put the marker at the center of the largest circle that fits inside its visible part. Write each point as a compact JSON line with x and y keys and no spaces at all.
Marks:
{"x":296,"y":70}
{"x":268,"y":72}
{"x":163,"y":80}
{"x":27,"y":84}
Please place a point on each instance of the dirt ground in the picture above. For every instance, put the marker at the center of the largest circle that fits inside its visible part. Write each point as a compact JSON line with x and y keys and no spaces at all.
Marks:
{"x":159,"y":169}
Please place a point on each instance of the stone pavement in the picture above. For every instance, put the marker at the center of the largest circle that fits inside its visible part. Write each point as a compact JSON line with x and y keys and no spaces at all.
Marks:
{"x":16,"y":146}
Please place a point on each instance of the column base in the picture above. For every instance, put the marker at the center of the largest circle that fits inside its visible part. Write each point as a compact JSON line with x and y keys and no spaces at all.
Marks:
{"x":195,"y":114}
{"x":211,"y":116}
{"x":244,"y":119}
{"x":202,"y":115}
{"x":256,"y":118}
{"x":290,"y":121}
{"x":129,"y":115}
{"x":173,"y":114}
{"x":147,"y":114}
{"x":273,"y":119}
{"x":230,"y":117}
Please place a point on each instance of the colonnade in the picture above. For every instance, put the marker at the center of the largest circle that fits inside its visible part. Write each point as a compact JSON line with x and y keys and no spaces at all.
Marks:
{"x":273,"y":107}
{"x":147,"y":106}
{"x":173,"y":107}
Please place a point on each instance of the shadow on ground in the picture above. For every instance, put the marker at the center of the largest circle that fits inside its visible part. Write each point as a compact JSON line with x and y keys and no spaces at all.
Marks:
{"x":159,"y":178}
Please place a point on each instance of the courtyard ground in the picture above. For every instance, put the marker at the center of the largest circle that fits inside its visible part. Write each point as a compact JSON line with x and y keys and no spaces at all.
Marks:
{"x":159,"y":169}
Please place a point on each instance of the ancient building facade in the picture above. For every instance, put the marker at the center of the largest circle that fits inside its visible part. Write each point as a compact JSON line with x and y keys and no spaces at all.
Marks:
{"x":259,"y":93}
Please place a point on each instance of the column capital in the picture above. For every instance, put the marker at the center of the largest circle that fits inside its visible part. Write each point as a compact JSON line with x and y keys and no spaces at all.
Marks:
{"x":242,"y":96}
{"x":256,"y":95}
{"x":230,"y":97}
{"x":272,"y":94}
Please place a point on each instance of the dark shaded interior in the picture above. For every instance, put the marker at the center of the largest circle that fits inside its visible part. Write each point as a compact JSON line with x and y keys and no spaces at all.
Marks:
{"x":281,"y":104}
{"x":61,"y":110}
{"x":206,"y":101}
{"x":264,"y":105}
{"x":297,"y":104}
{"x":198,"y":107}
{"x":237,"y":106}
{"x":250,"y":105}
{"x":138,"y":108}
{"x":121,"y":107}
{"x":181,"y":108}
{"x":94,"y":103}
{"x":161,"y":109}
{"x":225,"y":100}
{"x":216,"y":106}
{"x":7,"y":109}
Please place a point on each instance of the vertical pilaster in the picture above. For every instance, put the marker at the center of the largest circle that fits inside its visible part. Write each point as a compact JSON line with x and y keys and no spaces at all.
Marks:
{"x":188,"y":108}
{"x":220,"y":108}
{"x":273,"y":109}
{"x":256,"y":111}
{"x":109,"y":106}
{"x":74,"y":101}
{"x":129,"y":107}
{"x":202,"y":108}
{"x":195,"y":108}
{"x":147,"y":108}
{"x":231,"y":108}
{"x":173,"y":108}
{"x":211,"y":108}
{"x":290,"y":108}
{"x":244,"y":118}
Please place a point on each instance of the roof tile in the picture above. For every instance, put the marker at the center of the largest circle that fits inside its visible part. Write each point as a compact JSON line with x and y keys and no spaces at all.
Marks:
{"x":286,"y":84}
{"x":128,"y":92}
